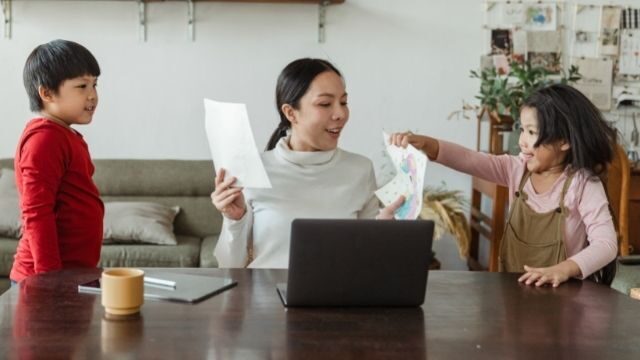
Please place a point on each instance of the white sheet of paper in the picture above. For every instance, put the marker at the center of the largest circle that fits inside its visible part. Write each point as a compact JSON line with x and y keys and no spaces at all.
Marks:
{"x":232,"y":145}
{"x":410,"y":165}
{"x":544,"y":41}
{"x":630,"y":52}
{"x":513,"y":14}
{"x":596,"y":80}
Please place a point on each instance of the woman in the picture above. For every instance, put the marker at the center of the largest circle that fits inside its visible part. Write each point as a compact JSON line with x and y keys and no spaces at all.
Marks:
{"x":310,"y":175}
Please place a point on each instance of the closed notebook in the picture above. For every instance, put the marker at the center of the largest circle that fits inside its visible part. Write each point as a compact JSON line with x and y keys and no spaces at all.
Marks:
{"x":188,"y":288}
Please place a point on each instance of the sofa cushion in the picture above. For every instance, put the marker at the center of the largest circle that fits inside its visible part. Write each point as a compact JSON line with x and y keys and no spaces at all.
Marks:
{"x":10,"y":224}
{"x":139,"y":222}
{"x":198,"y":217}
{"x":8,"y":248}
{"x":184,"y":183}
{"x":206,"y":252}
{"x":185,"y":254}
{"x":128,"y":177}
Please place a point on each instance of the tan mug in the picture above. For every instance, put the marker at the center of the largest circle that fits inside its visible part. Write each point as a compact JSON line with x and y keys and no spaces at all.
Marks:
{"x":122,"y":290}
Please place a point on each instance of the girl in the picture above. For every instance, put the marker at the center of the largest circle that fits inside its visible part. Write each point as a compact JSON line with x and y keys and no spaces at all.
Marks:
{"x":559,"y":225}
{"x":310,"y":175}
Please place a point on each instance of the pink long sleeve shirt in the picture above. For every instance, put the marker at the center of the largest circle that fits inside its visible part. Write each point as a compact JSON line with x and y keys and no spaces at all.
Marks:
{"x":589,"y":233}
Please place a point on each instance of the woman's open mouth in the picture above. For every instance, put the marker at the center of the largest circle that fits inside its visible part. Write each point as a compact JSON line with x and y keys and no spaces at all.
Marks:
{"x":334,"y":132}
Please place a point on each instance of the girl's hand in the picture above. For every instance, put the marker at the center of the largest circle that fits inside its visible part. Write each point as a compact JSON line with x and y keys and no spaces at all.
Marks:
{"x":228,"y":199}
{"x":388,"y":212}
{"x":554,"y":275}
{"x":427,"y":144}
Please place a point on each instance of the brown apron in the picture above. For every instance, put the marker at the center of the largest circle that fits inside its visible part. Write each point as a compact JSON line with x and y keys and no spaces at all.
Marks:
{"x":531,"y":238}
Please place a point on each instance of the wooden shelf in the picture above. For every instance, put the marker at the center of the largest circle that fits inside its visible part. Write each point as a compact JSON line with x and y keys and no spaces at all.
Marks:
{"x":253,"y":1}
{"x":142,"y":17}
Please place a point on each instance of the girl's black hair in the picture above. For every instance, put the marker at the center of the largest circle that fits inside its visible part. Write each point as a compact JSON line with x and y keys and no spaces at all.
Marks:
{"x":293,"y":83}
{"x":565,"y":114}
{"x":50,"y":64}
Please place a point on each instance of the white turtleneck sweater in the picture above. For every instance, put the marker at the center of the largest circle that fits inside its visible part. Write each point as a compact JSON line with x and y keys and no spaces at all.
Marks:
{"x":320,"y":184}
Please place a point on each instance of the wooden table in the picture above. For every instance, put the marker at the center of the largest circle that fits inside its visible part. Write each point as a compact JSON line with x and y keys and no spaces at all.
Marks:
{"x":467,"y":315}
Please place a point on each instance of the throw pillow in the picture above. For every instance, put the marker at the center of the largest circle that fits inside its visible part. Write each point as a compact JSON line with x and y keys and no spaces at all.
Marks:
{"x":10,"y":224}
{"x":139,"y":222}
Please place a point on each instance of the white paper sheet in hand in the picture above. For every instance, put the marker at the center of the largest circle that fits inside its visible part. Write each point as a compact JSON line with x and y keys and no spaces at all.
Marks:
{"x":232,"y":145}
{"x":410,"y":165}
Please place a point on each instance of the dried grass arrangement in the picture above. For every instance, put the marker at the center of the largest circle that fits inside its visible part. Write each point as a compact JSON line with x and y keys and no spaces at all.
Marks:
{"x":448,"y":210}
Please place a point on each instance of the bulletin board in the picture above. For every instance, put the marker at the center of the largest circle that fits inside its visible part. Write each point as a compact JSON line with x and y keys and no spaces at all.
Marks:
{"x":603,"y":40}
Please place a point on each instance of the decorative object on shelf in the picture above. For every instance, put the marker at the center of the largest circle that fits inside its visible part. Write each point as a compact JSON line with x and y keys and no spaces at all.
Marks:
{"x":448,"y":210}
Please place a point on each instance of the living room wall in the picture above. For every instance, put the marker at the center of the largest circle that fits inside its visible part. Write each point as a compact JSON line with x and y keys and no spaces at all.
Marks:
{"x":405,"y":62}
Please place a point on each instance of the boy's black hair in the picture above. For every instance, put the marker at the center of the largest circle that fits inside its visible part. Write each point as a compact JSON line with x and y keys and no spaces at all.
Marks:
{"x":50,"y":64}
{"x":565,"y":114}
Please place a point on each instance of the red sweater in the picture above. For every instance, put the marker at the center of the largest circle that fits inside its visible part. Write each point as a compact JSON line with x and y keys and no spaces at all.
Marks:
{"x":62,"y":212}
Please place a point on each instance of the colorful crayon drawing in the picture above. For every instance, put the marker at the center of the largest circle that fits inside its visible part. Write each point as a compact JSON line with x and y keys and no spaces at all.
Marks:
{"x":410,"y":207}
{"x":409,"y":164}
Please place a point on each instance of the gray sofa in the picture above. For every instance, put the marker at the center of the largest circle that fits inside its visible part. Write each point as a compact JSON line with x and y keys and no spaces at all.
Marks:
{"x":184,"y":183}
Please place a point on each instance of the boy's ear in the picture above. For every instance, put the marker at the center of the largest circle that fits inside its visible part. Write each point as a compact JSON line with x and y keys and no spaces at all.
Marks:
{"x":289,"y":113}
{"x":45,"y":94}
{"x":565,"y":146}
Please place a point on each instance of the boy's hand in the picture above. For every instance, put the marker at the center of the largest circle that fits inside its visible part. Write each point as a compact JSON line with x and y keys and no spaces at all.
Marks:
{"x":554,"y":275}
{"x":388,"y":212}
{"x":228,"y":199}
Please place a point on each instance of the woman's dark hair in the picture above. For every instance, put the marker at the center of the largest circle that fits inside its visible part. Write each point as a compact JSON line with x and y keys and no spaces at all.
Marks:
{"x":50,"y":64}
{"x":293,"y":83}
{"x":565,"y":114}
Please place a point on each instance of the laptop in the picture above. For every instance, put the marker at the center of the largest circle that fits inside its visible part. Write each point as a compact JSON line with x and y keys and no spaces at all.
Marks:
{"x":357,"y":263}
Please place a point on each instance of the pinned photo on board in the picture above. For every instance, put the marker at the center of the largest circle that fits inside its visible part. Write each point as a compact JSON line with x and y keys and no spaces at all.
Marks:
{"x":549,"y":61}
{"x":501,"y":41}
{"x":540,"y":17}
{"x":610,"y":30}
{"x":583,"y":37}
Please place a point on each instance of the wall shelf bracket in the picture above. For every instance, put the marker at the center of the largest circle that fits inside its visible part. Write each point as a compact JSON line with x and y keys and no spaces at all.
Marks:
{"x":191,"y":21}
{"x":142,"y":20}
{"x":322,"y":19}
{"x":6,"y":15}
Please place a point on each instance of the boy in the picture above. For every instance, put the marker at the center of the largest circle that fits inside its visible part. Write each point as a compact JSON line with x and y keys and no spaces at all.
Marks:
{"x":60,"y":205}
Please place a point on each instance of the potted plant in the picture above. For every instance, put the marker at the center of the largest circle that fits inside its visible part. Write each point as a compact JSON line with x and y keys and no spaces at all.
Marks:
{"x":502,"y":94}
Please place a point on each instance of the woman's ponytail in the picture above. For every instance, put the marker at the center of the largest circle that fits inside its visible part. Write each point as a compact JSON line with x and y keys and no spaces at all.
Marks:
{"x":280,"y":132}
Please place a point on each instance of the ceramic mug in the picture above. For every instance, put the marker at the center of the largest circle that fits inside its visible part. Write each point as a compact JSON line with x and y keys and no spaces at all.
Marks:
{"x":122,"y":290}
